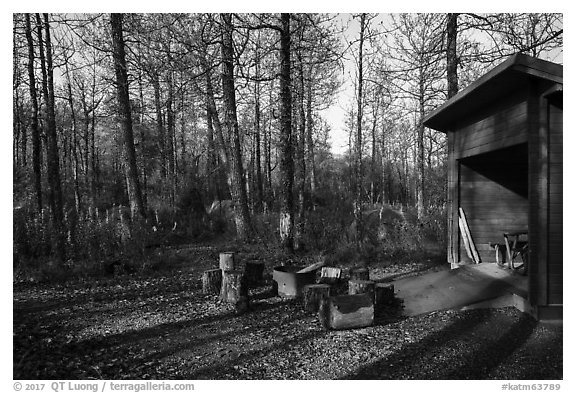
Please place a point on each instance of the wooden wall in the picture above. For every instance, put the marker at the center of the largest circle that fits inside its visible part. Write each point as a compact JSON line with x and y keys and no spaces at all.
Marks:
{"x":501,"y":124}
{"x":555,"y":255}
{"x":494,"y":196}
{"x":491,"y":172}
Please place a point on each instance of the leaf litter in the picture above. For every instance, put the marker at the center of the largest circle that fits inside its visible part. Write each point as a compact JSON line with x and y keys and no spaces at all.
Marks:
{"x":161,"y":326}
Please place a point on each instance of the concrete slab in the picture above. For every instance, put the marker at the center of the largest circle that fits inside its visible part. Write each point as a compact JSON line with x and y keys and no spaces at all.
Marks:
{"x":483,"y":284}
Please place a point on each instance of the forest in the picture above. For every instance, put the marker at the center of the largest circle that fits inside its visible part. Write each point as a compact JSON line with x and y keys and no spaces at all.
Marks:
{"x":135,"y":131}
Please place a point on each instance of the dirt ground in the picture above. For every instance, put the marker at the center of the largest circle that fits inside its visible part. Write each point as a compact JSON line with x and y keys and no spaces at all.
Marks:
{"x":160,"y":326}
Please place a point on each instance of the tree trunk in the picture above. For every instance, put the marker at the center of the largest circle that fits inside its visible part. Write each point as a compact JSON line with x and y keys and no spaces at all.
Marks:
{"x":249,"y":174}
{"x":159,"y":123}
{"x":21,"y":155}
{"x":267,"y":157}
{"x":142,"y":139}
{"x":85,"y":153}
{"x":182,"y":165}
{"x":74,"y":148}
{"x":52,"y":157}
{"x":268,"y":191}
{"x":211,"y":162}
{"x":236,"y":171}
{"x":16,"y":127}
{"x":358,"y":167}
{"x":373,"y":158}
{"x":420,"y":155}
{"x":258,"y":196}
{"x":285,"y":144}
{"x":451,"y":54}
{"x":385,"y":195}
{"x":125,"y":117}
{"x":94,"y":169}
{"x":211,"y":103}
{"x":216,"y":126}
{"x":171,"y":132}
{"x":310,"y":165}
{"x":20,"y":129}
{"x":36,"y":142}
{"x":258,"y":163}
{"x":301,"y":159}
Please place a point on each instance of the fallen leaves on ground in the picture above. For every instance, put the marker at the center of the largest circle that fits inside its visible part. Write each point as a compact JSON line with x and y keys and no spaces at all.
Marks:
{"x":160,"y":326}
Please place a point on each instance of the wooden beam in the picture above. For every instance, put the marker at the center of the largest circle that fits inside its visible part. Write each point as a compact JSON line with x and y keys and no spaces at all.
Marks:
{"x":314,"y":266}
{"x":452,"y":201}
{"x":465,"y":239}
{"x":538,"y":195}
{"x":469,"y":237}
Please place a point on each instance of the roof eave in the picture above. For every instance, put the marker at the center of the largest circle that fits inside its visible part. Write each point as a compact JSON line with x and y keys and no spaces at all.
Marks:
{"x":518,"y":62}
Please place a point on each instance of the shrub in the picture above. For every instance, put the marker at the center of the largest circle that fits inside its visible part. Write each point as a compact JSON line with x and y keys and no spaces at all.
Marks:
{"x":384,"y":239}
{"x":89,"y":242}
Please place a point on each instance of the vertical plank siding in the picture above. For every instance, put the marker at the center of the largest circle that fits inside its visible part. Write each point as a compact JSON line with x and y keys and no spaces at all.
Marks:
{"x":555,"y":233}
{"x":491,"y":208}
{"x":538,"y":195}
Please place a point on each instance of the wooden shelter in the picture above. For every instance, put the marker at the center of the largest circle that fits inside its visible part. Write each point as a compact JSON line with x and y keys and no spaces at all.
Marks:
{"x":504,"y":136}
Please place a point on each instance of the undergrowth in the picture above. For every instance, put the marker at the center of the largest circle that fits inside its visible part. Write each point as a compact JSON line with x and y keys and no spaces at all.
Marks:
{"x":109,"y":242}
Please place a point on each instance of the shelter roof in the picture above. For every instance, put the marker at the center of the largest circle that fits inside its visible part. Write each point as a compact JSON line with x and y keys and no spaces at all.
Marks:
{"x":509,"y":75}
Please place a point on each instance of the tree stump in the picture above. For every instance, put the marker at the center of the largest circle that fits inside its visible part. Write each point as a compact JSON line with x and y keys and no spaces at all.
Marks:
{"x":212,"y":281}
{"x":227,"y":261}
{"x":314,"y":294}
{"x":360,"y":273}
{"x":383,"y":295}
{"x":347,"y":311}
{"x":356,"y":287}
{"x":254,"y":272}
{"x":234,"y":290}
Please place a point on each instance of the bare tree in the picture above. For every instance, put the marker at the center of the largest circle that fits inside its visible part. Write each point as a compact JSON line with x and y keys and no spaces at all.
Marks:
{"x":358,"y":170}
{"x":285,"y":145}
{"x":532,"y":34}
{"x":238,"y":185}
{"x":125,"y":116}
{"x":451,"y":54}
{"x":74,"y":147}
{"x":36,"y":142}
{"x":418,"y":46}
{"x":53,"y":161}
{"x":257,"y":128}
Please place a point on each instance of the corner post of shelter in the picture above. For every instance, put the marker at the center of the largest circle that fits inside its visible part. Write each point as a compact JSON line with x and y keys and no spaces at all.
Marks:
{"x":538,"y":195}
{"x":452,"y":205}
